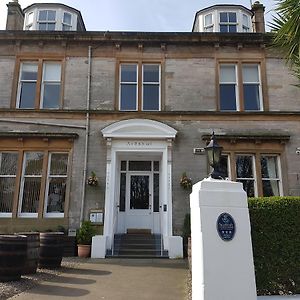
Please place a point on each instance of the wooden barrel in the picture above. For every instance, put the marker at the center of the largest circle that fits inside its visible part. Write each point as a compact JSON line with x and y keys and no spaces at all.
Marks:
{"x":33,"y":246}
{"x":13,"y":250}
{"x":51,"y":249}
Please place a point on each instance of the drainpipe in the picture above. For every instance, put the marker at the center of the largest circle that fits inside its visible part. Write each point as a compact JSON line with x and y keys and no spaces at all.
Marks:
{"x":87,"y":128}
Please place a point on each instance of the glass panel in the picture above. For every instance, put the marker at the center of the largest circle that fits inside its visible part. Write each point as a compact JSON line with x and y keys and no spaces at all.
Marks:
{"x":29,"y":72}
{"x":223,"y":166}
{"x":232,"y":17}
{"x":43,"y":15}
{"x":31,"y":194}
{"x":209,"y":29}
{"x":245,"y":20}
{"x":269,"y":167}
{"x":9,"y":162}
{"x":122,"y":192}
{"x":123,"y":165}
{"x":139,"y":165}
{"x":56,"y":195}
{"x":223,"y":28}
{"x":227,"y":97}
{"x":227,"y":74}
{"x":51,"y":15}
{"x":52,"y":72}
{"x":67,"y":18}
{"x":250,"y":73}
{"x":51,"y":95}
{"x":248,"y":186}
{"x":128,"y":73}
{"x":128,"y":97}
{"x":59,"y":164}
{"x":27,"y":95}
{"x":244,"y":168}
{"x":156,"y":166}
{"x":232,"y":28}
{"x":7,"y":188}
{"x":51,"y":26}
{"x":208,"y":19}
{"x":151,"y":73}
{"x":151,"y":97}
{"x":251,"y":97}
{"x":30,"y":18}
{"x":270,"y":188}
{"x":139,"y":192}
{"x":34,"y":163}
{"x":66,"y":27}
{"x":42,"y":26}
{"x":223,"y":17}
{"x":156,"y":192}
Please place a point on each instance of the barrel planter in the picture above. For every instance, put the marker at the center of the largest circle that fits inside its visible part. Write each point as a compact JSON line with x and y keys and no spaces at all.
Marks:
{"x":13,"y":253}
{"x":33,"y":246}
{"x":51,"y":249}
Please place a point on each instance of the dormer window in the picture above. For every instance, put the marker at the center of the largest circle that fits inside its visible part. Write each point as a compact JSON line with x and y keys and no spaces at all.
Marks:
{"x":228,"y":22}
{"x":67,"y":22}
{"x":47,"y":20}
{"x":29,"y":21}
{"x":208,"y":23}
{"x":245,"y":25}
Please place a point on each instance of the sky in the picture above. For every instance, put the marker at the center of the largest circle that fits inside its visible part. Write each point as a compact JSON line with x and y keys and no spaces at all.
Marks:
{"x":138,"y":15}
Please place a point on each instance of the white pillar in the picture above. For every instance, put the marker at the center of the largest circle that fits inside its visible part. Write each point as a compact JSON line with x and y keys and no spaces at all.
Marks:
{"x":221,"y":269}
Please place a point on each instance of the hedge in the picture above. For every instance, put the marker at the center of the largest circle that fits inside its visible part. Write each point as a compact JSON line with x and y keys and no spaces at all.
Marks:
{"x":275,"y":230}
{"x":275,"y":227}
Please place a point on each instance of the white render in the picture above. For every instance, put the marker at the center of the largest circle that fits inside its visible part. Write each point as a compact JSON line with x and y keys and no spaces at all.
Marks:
{"x":175,"y":247}
{"x":221,"y":269}
{"x":98,"y":246}
{"x":138,"y":139}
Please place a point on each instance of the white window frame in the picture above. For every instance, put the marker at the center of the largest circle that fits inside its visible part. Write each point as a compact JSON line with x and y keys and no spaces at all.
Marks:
{"x":228,"y":23}
{"x":254,"y":83}
{"x":54,"y":214}
{"x":278,"y":166}
{"x":23,"y":176}
{"x":152,"y":83}
{"x":245,"y":27}
{"x":46,"y":21}
{"x":236,"y":83}
{"x":129,"y":83}
{"x":20,"y":82}
{"x":254,"y":179}
{"x":66,"y":24}
{"x":207,"y":27}
{"x":43,"y":82}
{"x":29,"y":23}
{"x":8,"y":214}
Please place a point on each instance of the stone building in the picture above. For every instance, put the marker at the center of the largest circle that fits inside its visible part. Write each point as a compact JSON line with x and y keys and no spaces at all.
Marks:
{"x":135,"y":110}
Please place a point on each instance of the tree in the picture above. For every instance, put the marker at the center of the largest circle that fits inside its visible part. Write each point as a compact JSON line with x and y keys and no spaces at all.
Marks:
{"x":286,"y":28}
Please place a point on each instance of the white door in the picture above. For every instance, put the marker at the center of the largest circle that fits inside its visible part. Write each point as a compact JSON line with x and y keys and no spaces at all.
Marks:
{"x":139,"y":201}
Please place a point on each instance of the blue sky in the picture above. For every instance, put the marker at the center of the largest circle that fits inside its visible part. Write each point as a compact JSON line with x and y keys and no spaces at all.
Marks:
{"x":138,"y":15}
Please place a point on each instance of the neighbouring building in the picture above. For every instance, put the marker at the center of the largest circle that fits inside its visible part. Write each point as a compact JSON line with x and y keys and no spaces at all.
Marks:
{"x":135,"y":110}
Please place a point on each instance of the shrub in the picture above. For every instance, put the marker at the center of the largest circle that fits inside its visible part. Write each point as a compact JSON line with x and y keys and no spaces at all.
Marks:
{"x":85,"y":233}
{"x":275,"y":226}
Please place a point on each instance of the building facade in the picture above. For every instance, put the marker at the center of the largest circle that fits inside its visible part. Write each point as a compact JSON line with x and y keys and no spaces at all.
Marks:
{"x":136,"y":110}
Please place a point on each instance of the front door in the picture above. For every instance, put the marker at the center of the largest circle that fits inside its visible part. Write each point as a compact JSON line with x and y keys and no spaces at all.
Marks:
{"x":139,"y":201}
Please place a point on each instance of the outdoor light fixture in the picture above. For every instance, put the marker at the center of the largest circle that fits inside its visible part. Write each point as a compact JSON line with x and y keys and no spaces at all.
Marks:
{"x":214,"y":151}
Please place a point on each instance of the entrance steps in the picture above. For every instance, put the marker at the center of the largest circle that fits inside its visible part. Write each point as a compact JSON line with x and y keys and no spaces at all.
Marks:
{"x":137,"y":245}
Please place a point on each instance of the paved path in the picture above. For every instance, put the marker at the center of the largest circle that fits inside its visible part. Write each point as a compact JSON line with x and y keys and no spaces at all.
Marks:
{"x":116,"y":279}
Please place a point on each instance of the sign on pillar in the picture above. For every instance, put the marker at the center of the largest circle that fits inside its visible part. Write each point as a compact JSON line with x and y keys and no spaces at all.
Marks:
{"x":222,"y":258}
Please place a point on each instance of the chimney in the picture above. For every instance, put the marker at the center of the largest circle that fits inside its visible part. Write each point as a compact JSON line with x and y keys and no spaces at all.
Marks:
{"x":15,"y":16}
{"x":258,"y":18}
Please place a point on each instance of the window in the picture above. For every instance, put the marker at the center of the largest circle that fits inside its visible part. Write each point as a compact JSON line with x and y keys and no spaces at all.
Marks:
{"x":56,"y":184}
{"x":246,"y":95}
{"x":228,"y":22}
{"x":46,"y":20}
{"x":148,"y":99}
{"x":67,"y":22}
{"x":245,"y":23}
{"x":264,"y":181}
{"x":29,"y":22}
{"x":39,"y":91}
{"x":208,"y":23}
{"x":8,"y":171}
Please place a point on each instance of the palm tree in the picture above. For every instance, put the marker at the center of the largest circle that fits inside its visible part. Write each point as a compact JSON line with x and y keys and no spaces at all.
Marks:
{"x":286,"y":26}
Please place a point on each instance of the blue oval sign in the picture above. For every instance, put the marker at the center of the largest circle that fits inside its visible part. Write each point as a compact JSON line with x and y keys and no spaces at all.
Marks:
{"x":226,"y":226}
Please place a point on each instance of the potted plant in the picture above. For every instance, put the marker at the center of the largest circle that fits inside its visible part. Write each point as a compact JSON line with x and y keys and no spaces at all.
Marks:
{"x":186,"y":182}
{"x":84,"y":238}
{"x":92,"y":179}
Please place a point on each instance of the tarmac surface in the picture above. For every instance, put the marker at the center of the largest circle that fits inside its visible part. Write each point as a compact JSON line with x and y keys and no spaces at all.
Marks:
{"x":120,"y":279}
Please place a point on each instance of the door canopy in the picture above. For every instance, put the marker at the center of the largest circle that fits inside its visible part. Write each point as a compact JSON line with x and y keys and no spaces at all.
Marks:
{"x":139,"y":128}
